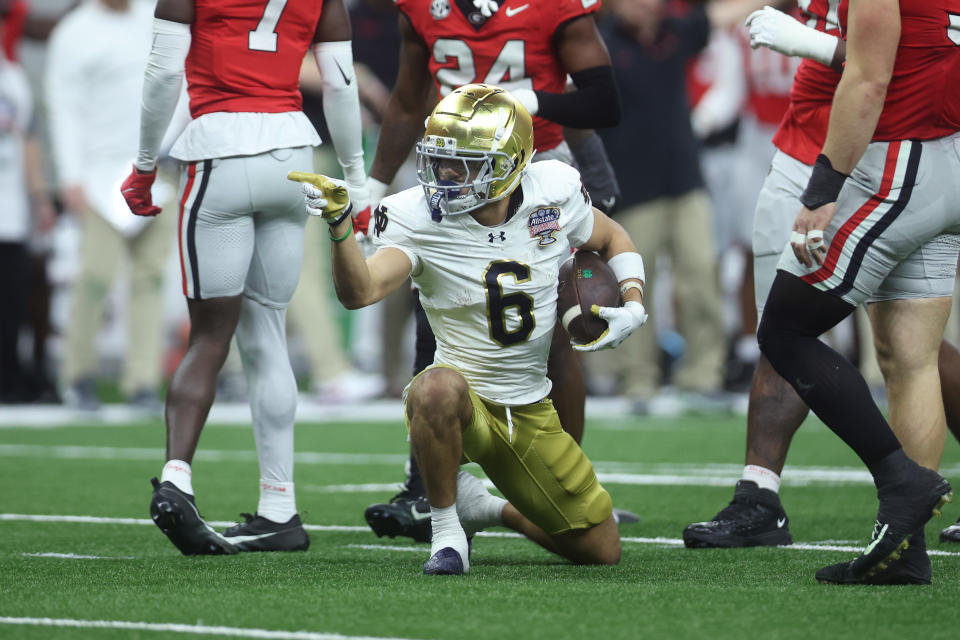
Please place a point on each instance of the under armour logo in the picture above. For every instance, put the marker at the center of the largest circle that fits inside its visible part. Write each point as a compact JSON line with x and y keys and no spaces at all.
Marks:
{"x":492,"y":237}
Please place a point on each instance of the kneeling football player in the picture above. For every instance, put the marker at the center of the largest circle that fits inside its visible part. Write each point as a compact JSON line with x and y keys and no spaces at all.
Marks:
{"x":483,"y":241}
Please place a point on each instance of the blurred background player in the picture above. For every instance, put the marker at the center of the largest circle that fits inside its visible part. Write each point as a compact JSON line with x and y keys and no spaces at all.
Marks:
{"x":27,"y":213}
{"x":529,"y":49}
{"x":240,"y":229}
{"x":93,"y":86}
{"x":665,"y":207}
{"x":485,"y":397}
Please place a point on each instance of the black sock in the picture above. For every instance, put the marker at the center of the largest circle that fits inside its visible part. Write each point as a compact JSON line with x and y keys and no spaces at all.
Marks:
{"x":795,"y":315}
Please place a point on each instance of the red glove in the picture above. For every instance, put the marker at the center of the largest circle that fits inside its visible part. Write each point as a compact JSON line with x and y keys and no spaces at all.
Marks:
{"x":361,"y":221}
{"x":136,"y":191}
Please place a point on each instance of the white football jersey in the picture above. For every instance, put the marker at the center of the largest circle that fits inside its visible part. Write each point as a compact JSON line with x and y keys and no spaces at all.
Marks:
{"x":490,"y":293}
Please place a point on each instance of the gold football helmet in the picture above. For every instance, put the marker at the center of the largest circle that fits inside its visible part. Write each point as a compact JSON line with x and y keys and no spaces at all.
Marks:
{"x":478,"y":141}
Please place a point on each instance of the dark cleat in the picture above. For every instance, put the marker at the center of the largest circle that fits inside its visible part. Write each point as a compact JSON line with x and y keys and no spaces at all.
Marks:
{"x":405,"y":515}
{"x":912,"y":567}
{"x":754,"y":518}
{"x":446,"y":562}
{"x":257,"y":533}
{"x":176,"y":514}
{"x":909,"y":496}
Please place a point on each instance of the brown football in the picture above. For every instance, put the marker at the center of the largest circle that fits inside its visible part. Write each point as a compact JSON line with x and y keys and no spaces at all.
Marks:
{"x":585,"y":280}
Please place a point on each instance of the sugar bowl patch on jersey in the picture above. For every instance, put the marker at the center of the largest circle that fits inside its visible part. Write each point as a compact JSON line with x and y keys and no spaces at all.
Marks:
{"x":544,"y":223}
{"x":554,"y":201}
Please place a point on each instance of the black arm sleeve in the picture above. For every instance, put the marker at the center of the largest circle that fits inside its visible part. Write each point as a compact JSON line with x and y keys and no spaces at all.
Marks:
{"x":595,"y":103}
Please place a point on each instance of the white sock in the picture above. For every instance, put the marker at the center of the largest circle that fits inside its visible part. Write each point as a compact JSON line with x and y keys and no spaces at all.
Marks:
{"x":178,"y":472}
{"x":277,"y":501}
{"x":764,"y":478}
{"x":447,"y":532}
{"x":477,"y":508}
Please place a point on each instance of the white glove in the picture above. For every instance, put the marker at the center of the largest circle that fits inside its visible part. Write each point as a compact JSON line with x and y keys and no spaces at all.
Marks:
{"x":621,"y":322}
{"x":359,"y":197}
{"x":377,"y":190}
{"x":528,"y":99}
{"x":486,"y":7}
{"x":783,"y":33}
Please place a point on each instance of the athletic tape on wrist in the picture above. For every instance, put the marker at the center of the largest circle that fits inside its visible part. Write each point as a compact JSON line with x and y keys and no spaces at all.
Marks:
{"x":626,"y":286}
{"x":824,"y":185}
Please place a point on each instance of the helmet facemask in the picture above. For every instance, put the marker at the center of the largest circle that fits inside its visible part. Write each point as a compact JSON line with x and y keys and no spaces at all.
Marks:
{"x":459,"y":180}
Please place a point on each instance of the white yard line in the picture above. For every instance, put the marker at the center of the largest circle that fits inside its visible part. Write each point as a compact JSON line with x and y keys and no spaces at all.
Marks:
{"x":74,"y":556}
{"x":609,"y":472}
{"x":825,"y":545}
{"x":193,"y":629}
{"x":386,"y":547}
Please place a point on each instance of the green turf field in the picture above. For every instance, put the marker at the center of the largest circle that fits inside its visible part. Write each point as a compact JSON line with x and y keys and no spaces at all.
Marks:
{"x":114,"y":566}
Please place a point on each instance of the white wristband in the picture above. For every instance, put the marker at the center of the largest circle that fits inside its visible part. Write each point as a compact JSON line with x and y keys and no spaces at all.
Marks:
{"x":627,"y":266}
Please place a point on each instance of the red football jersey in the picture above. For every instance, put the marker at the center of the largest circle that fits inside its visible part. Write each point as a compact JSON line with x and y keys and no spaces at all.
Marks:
{"x":245,"y":55}
{"x":922,"y":96}
{"x":804,"y":126}
{"x":512,"y":49}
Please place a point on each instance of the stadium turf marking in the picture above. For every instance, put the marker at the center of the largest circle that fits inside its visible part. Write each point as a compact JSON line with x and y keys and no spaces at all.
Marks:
{"x":75,"y":556}
{"x":609,"y":472}
{"x":387,"y":547}
{"x":826,"y":545}
{"x":194,"y":629}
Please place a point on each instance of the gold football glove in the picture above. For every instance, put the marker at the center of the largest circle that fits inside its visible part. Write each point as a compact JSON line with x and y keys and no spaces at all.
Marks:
{"x":324,"y":197}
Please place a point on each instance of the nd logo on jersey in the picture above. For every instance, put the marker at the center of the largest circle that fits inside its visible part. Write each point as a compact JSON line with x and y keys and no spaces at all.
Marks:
{"x":544,"y":223}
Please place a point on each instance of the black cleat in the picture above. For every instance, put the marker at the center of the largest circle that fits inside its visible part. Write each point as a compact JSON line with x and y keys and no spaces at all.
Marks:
{"x":754,"y":518}
{"x":407,"y":514}
{"x":176,"y":514}
{"x":912,"y":567}
{"x":446,"y":562}
{"x":911,"y":496}
{"x":257,"y":533}
{"x":951,"y":533}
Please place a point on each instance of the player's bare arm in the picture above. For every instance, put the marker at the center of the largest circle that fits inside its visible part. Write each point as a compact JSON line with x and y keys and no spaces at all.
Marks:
{"x":334,"y":23}
{"x":872,"y":36}
{"x":873,"y":33}
{"x":360,"y":282}
{"x":175,"y":10}
{"x":410,"y":100}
